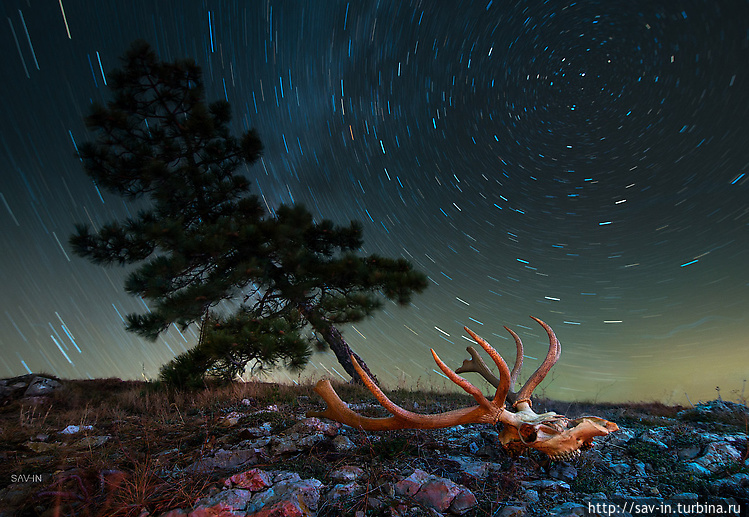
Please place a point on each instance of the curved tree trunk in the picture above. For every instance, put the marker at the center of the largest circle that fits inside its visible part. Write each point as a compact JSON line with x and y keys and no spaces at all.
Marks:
{"x":337,"y":344}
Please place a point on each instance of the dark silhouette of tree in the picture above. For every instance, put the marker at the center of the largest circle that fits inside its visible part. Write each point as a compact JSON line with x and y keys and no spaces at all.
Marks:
{"x":206,"y":250}
{"x":314,"y":271}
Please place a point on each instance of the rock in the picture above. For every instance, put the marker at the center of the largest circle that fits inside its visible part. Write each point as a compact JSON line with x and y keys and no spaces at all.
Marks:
{"x":741,"y":480}
{"x":268,"y":494}
{"x":342,"y":490}
{"x":621,"y":437}
{"x":177,"y":512}
{"x":232,"y":500}
{"x":285,"y":508}
{"x":685,"y":496}
{"x":258,"y":444}
{"x":41,"y":386}
{"x":11,"y":496}
{"x":289,"y":496}
{"x":546,"y":485}
{"x":303,"y":436}
{"x":375,"y":503}
{"x":620,"y":468}
{"x":736,"y":483}
{"x":486,"y":451}
{"x":343,"y":443}
{"x":464,"y":501}
{"x":73,"y":429}
{"x":223,"y":459}
{"x":288,"y":477}
{"x":231,"y":419}
{"x":347,"y":474}
{"x":512,"y":511}
{"x":470,"y":467}
{"x":40,"y":447}
{"x":563,"y":471}
{"x":717,"y":455}
{"x":410,"y":485}
{"x":257,"y":432}
{"x":315,"y":425}
{"x":6,"y":391}
{"x":90,"y":442}
{"x":295,"y":443}
{"x":309,"y":441}
{"x":570,"y":509}
{"x":689,"y":453}
{"x":253,"y":480}
{"x":436,"y":492}
{"x":655,"y":436}
{"x":715,"y":410}
{"x":37,"y":401}
{"x":696,"y":468}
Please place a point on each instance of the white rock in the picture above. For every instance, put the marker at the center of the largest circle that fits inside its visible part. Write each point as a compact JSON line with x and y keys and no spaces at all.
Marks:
{"x":717,"y":455}
{"x":73,"y":429}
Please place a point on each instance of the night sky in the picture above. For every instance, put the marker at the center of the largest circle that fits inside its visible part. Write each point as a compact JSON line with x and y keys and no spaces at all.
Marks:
{"x":583,"y":162}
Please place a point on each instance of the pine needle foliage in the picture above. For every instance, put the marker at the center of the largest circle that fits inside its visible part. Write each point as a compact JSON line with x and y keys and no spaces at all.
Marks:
{"x":203,"y":239}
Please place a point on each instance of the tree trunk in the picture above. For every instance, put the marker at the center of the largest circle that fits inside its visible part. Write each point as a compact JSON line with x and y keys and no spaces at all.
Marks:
{"x":343,"y":353}
{"x":337,"y":344}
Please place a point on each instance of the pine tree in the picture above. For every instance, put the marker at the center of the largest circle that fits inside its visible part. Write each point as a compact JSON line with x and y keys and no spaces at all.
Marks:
{"x":204,"y":240}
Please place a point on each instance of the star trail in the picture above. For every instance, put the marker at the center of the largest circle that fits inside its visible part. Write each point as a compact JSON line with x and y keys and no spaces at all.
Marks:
{"x":582,"y":162}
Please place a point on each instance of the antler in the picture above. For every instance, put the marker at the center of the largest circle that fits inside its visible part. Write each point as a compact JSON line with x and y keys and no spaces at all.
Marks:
{"x":477,"y":365}
{"x":552,"y":434}
{"x":487,"y":411}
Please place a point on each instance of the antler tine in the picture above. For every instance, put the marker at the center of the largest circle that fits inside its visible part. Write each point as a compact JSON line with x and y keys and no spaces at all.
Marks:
{"x":398,"y":411}
{"x":503,"y":386}
{"x":388,"y":404}
{"x":518,"y":358}
{"x":485,"y":412}
{"x":460,"y":381}
{"x":552,"y":356}
{"x":477,"y":365}
{"x":339,"y":411}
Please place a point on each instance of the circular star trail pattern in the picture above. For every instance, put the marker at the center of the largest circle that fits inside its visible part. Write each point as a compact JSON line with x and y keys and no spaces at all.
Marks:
{"x":582,"y":162}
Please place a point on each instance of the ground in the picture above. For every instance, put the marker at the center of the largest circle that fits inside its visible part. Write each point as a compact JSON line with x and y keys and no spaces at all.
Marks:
{"x":112,"y":447}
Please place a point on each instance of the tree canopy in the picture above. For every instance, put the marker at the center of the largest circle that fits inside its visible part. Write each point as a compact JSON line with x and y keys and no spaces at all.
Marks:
{"x":206,"y":250}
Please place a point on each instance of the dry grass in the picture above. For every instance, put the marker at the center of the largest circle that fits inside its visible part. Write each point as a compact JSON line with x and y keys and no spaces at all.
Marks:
{"x":155,"y":433}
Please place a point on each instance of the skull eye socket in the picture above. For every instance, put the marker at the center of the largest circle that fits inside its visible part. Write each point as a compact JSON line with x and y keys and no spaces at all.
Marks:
{"x":527,"y":433}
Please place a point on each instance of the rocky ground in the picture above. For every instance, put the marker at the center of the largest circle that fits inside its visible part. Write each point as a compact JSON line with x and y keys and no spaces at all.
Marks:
{"x":109,"y":447}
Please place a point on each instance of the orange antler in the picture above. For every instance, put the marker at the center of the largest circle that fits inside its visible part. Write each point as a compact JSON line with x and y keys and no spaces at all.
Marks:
{"x":552,"y":434}
{"x":487,"y":411}
{"x":477,"y":365}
